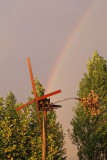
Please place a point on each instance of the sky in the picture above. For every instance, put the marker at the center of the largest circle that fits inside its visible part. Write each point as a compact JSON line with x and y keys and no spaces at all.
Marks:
{"x":59,"y":37}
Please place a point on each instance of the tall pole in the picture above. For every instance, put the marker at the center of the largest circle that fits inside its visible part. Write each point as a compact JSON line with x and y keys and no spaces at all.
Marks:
{"x":44,"y":136}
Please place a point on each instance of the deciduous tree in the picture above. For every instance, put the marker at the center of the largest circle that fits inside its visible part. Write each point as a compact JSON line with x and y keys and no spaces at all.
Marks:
{"x":20,"y":136}
{"x":90,"y":120}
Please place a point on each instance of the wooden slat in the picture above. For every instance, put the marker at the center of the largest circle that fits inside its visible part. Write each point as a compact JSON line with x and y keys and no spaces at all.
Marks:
{"x":31,"y":76}
{"x":34,"y":91}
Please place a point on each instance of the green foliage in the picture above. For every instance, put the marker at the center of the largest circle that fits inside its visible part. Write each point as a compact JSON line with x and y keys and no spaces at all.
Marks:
{"x":20,"y":136}
{"x":95,"y":79}
{"x":13,"y":130}
{"x":89,"y":132}
{"x":55,"y":138}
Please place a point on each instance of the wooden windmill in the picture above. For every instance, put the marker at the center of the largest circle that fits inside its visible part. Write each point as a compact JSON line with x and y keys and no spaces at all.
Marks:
{"x":43,"y":103}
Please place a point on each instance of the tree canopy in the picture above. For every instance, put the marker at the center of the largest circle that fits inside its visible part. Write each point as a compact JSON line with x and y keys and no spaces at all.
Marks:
{"x":20,"y":136}
{"x":89,"y":123}
{"x":95,"y":79}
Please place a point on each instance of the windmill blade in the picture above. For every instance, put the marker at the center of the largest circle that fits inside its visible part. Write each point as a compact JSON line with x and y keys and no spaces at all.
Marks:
{"x":31,"y":76}
{"x":48,"y":95}
{"x":24,"y":105}
{"x":34,"y":91}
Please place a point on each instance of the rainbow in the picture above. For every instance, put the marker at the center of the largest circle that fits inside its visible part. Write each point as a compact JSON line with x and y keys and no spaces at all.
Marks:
{"x":69,"y":44}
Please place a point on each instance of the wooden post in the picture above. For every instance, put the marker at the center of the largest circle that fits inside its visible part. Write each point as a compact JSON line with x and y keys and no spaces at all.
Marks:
{"x":44,"y":136}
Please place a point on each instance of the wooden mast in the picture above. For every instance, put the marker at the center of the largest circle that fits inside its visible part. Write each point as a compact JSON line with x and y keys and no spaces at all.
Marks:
{"x":44,"y":136}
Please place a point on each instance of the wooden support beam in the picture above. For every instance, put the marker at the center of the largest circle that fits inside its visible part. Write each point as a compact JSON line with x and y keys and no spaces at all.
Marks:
{"x":44,"y":136}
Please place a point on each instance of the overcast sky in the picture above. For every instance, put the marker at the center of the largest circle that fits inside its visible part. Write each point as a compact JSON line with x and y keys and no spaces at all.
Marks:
{"x":41,"y":30}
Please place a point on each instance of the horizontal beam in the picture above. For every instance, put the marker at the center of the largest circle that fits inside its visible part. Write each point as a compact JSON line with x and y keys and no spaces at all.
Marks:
{"x":56,"y":106}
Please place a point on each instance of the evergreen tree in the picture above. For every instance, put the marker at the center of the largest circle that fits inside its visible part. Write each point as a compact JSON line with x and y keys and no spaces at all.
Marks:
{"x":90,"y":129}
